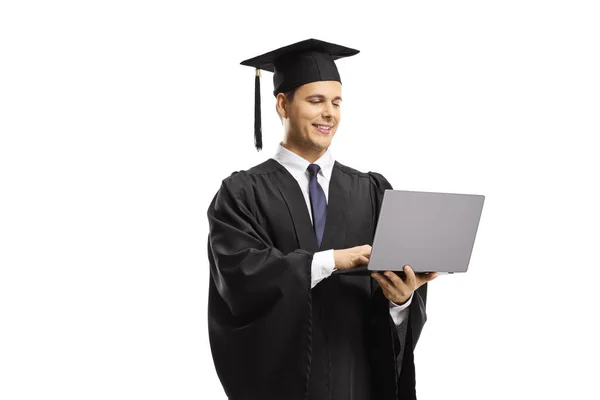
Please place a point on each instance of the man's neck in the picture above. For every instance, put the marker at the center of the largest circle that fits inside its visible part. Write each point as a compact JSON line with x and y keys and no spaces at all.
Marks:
{"x":309,"y":155}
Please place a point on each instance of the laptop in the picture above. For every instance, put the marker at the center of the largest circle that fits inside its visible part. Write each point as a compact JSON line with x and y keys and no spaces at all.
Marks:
{"x":429,"y":231}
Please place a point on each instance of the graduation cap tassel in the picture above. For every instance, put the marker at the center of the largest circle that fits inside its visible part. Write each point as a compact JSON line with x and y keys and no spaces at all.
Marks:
{"x":257,"y":121}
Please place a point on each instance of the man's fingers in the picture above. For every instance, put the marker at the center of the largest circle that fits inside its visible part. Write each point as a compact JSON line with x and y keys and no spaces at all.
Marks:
{"x":393,"y":285}
{"x":399,"y":288}
{"x":396,"y":280}
{"x":383,"y":282}
{"x":366,"y":250}
{"x":377,"y":276}
{"x":427,"y":277}
{"x":411,"y":279}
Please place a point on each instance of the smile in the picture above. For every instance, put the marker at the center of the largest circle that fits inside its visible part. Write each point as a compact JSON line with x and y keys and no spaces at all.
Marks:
{"x":325,"y":129}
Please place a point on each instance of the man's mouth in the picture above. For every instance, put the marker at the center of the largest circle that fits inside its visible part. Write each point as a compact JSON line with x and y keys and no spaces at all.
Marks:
{"x":325,"y":129}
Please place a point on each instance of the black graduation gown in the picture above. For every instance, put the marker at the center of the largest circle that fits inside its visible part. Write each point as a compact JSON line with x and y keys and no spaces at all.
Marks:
{"x":271,"y":336}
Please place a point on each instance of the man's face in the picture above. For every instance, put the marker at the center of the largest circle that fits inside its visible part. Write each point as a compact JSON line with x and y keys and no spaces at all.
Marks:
{"x":313,"y":116}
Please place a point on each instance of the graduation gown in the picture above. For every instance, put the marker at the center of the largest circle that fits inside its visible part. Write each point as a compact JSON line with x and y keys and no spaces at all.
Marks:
{"x":271,"y":336}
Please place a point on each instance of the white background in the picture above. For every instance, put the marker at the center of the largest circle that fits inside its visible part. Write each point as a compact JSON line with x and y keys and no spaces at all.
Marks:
{"x":119,"y":119}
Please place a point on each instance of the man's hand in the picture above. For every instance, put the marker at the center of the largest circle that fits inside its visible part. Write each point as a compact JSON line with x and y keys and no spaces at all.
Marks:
{"x":397,"y":290}
{"x":352,"y":257}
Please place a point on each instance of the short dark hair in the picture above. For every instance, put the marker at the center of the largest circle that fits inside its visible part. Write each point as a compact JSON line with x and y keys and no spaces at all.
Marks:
{"x":290,"y":94}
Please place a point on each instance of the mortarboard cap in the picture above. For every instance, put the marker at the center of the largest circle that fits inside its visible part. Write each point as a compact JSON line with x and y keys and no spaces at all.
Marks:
{"x":307,"y":61}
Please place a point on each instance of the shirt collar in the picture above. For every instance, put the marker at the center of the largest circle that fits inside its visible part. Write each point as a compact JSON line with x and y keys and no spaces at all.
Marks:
{"x":298,"y":165}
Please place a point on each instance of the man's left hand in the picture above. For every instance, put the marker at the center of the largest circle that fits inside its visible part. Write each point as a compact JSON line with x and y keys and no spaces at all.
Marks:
{"x":398,"y":290}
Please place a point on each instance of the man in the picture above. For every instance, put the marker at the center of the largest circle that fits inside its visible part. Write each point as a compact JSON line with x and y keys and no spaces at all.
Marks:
{"x":286,"y":320}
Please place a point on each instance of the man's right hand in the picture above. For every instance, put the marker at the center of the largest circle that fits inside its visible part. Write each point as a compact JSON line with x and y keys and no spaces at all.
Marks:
{"x":352,"y":257}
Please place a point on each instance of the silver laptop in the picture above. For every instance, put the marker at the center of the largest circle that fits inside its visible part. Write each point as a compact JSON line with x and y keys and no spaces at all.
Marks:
{"x":431,"y":232}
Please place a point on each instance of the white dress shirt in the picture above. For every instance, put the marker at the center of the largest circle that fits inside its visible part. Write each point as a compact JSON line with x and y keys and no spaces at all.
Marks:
{"x":323,"y":263}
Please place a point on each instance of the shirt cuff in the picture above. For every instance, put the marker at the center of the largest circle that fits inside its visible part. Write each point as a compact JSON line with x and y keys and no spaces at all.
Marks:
{"x":323,"y":265}
{"x":399,"y":313}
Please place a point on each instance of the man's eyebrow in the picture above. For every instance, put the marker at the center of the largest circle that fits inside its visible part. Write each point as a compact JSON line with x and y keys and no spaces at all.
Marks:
{"x":320,"y":96}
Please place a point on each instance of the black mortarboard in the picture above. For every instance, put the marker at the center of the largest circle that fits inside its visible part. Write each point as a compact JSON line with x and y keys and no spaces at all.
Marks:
{"x":308,"y":61}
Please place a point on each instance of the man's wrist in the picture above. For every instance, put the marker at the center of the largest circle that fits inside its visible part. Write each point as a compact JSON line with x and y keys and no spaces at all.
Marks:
{"x":401,"y":301}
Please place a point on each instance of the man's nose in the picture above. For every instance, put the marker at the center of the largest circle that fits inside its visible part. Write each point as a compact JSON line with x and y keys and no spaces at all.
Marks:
{"x":327,"y":112}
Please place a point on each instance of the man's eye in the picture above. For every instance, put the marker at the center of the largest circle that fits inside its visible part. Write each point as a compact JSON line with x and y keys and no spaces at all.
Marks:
{"x":318,"y":101}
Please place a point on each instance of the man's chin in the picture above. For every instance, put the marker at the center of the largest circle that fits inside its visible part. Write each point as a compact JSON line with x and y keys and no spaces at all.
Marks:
{"x":321,"y":145}
{"x":322,"y":140}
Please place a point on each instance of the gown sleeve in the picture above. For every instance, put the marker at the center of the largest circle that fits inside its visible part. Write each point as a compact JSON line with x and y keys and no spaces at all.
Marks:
{"x":383,"y":324}
{"x":259,"y":299}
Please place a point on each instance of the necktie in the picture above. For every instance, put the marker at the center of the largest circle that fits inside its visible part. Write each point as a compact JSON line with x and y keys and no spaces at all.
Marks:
{"x":318,"y":202}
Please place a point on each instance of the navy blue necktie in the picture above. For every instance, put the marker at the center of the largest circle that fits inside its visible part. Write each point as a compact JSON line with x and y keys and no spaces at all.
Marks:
{"x":318,"y":202}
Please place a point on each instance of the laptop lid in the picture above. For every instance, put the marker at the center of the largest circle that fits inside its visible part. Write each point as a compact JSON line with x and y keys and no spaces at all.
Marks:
{"x":430,"y":231}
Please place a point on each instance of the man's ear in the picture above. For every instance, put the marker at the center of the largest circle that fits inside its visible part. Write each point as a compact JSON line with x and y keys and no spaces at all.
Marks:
{"x":281,"y":104}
